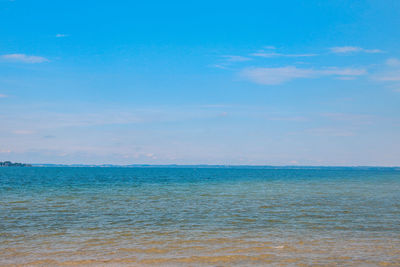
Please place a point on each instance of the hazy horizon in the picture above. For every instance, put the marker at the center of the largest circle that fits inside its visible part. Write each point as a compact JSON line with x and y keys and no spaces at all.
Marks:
{"x":42,"y":164}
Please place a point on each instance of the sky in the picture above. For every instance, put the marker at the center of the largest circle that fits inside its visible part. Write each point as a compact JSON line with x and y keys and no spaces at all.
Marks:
{"x":200,"y":82}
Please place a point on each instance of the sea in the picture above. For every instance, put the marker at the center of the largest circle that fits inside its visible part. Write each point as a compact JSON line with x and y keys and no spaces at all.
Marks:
{"x":199,"y":216}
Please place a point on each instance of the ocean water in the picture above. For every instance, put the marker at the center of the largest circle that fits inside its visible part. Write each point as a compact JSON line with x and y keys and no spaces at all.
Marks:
{"x":199,"y":217}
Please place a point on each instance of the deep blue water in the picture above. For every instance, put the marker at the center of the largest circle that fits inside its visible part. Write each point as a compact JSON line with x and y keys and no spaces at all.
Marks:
{"x":107,"y":211}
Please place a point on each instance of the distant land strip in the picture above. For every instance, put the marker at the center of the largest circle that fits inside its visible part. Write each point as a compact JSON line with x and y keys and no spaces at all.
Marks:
{"x":211,"y":166}
{"x":13,"y":164}
{"x":301,"y":167}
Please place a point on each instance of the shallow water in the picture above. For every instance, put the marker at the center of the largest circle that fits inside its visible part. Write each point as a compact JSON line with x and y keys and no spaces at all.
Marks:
{"x":199,"y":216}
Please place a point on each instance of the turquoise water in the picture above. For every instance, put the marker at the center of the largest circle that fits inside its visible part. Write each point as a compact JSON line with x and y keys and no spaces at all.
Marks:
{"x":199,"y":216}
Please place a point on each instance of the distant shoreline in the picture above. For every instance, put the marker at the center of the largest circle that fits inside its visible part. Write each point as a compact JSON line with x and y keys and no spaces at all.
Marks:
{"x":177,"y":166}
{"x":14,"y":164}
{"x":211,"y":166}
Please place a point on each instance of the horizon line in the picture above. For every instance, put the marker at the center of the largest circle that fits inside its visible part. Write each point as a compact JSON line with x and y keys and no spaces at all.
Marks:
{"x":207,"y":165}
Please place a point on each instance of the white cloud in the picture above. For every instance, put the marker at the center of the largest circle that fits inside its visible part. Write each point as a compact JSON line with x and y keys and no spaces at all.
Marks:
{"x":342,"y":72}
{"x":388,"y":76}
{"x":229,"y":60}
{"x":60,"y":35}
{"x":219,"y":66}
{"x":393,"y":62}
{"x":353,"y":49}
{"x":372,"y":51}
{"x":345,"y":49}
{"x":346,"y":78}
{"x":23,"y":58}
{"x":360,"y":119}
{"x":270,"y":51}
{"x":271,"y":76}
{"x":331,"y":132}
{"x":232,"y":58}
{"x":23,"y":132}
{"x":288,"y":118}
{"x":391,"y":73}
{"x":273,"y":54}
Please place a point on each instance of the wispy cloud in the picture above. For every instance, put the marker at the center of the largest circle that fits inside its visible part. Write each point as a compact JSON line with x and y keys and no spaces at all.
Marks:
{"x":354,"y":119}
{"x":391,"y":73}
{"x":393,"y":62}
{"x":44,"y":121}
{"x":353,"y":49}
{"x":273,"y":54}
{"x":341,"y":72}
{"x":23,"y":132}
{"x":331,"y":132}
{"x":229,"y":60}
{"x":3,"y":96}
{"x":23,"y":58}
{"x":388,"y":76}
{"x":272,"y":76}
{"x":270,"y":51}
{"x":61,"y":35}
{"x":288,"y":118}
{"x":233,"y":58}
{"x":219,"y":66}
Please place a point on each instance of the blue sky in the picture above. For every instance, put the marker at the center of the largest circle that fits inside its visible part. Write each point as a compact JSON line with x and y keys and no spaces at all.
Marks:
{"x":202,"y":82}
